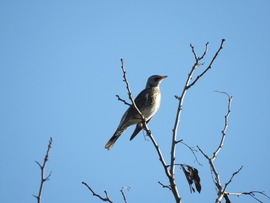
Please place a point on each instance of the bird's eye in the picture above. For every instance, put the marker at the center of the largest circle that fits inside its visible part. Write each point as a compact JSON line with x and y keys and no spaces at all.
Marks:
{"x":156,"y":79}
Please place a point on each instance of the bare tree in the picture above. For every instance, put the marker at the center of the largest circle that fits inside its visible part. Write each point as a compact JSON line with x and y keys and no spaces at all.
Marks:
{"x":191,"y":173}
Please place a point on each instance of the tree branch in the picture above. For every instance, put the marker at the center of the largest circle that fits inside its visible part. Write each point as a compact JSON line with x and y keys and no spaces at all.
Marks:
{"x":122,"y":100}
{"x":225,"y":125}
{"x":251,"y":193}
{"x":188,"y":84}
{"x":42,"y":168}
{"x":105,"y":199}
{"x":210,"y":65}
{"x":165,"y":186}
{"x":221,"y":189}
{"x":123,"y":194}
{"x":192,"y":151}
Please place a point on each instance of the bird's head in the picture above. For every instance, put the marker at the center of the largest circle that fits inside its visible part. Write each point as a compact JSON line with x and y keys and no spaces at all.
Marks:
{"x":154,"y":81}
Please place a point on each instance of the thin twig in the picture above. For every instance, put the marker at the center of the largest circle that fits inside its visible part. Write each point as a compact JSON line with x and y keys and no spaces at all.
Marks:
{"x":225,"y":125}
{"x":129,"y":91}
{"x":123,"y":194}
{"x":122,"y":100}
{"x":223,"y":192}
{"x":42,"y":168}
{"x":235,"y":173}
{"x":209,"y":66}
{"x":165,"y":186}
{"x":105,"y":199}
{"x":193,"y":152}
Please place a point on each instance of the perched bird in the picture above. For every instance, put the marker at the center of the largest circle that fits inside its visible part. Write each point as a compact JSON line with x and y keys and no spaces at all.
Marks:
{"x":148,"y":102}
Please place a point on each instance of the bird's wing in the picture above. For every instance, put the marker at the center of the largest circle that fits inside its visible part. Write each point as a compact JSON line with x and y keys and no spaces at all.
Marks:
{"x":131,"y":112}
{"x":142,"y":98}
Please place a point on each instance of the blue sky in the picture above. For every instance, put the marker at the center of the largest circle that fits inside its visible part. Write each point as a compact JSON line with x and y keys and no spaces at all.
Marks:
{"x":60,"y":72}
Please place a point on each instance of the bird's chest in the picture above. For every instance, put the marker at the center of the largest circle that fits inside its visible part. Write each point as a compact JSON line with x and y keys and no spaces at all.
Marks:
{"x":152,"y":103}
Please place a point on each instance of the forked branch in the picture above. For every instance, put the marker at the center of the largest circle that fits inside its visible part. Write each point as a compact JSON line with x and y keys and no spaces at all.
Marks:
{"x":188,"y":84}
{"x":105,"y":199}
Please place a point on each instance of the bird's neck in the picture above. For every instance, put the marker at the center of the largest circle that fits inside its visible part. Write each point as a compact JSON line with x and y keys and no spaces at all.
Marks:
{"x":151,"y":87}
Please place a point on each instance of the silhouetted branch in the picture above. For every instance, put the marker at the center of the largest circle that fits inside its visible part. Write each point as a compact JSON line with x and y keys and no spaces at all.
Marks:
{"x":42,"y":168}
{"x":105,"y":199}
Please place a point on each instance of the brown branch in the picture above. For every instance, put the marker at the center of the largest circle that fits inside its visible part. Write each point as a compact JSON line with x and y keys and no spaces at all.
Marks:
{"x":42,"y":168}
{"x":122,"y":100}
{"x":105,"y":199}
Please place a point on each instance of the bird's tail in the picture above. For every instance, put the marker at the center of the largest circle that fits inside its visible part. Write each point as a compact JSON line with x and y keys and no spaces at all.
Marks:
{"x":113,"y":139}
{"x":136,"y":131}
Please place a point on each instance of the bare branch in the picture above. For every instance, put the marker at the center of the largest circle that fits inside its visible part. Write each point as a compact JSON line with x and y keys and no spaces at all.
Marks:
{"x":129,"y":92}
{"x":188,"y":84}
{"x":235,"y":173}
{"x":42,"y":168}
{"x":216,"y":178}
{"x":193,"y":51}
{"x":251,"y":193}
{"x":122,"y":100}
{"x":205,"y":51}
{"x":225,"y":125}
{"x":123,"y":194}
{"x":210,"y":65}
{"x":105,"y":199}
{"x":223,"y":192}
{"x":192,"y":150}
{"x":165,"y":186}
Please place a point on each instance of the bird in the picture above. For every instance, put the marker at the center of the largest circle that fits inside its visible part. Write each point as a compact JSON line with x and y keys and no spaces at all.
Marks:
{"x":148,"y":102}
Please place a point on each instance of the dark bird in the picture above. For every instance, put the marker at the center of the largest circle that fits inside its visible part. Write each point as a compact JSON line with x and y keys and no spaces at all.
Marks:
{"x":148,"y":102}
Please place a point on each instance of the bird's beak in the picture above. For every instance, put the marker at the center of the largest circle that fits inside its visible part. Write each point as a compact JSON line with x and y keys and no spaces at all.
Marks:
{"x":163,"y":77}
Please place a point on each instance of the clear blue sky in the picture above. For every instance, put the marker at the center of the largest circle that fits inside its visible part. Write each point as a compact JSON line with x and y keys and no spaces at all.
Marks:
{"x":60,"y":72}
